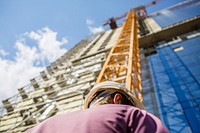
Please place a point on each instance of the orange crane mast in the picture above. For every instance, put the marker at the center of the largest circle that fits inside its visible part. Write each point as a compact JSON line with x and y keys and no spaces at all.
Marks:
{"x":123,"y":62}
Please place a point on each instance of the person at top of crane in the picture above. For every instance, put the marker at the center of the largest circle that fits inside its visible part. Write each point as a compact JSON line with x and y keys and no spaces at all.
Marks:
{"x":109,"y":108}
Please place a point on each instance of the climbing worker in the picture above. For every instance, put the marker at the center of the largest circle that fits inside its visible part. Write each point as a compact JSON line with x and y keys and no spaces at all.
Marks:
{"x":109,"y":108}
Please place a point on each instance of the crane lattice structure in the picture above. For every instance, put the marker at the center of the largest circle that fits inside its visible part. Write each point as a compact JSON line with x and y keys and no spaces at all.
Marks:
{"x":123,"y":63}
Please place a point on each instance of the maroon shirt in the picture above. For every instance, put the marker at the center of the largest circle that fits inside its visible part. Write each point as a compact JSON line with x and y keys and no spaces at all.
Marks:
{"x":108,"y":118}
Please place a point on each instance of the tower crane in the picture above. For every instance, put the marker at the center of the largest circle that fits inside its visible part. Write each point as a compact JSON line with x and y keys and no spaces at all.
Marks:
{"x":123,"y":62}
{"x":140,"y":11}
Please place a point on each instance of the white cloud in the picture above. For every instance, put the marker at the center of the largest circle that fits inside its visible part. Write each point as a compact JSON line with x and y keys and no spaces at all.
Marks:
{"x":29,"y":61}
{"x":3,"y":52}
{"x":89,"y":22}
{"x":93,"y":30}
{"x":49,"y":46}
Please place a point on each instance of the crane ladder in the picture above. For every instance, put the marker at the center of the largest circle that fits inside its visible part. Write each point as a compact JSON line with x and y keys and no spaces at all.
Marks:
{"x":123,"y":62}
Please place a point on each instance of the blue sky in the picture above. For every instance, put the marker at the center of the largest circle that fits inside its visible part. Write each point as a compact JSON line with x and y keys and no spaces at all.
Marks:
{"x":34,"y":33}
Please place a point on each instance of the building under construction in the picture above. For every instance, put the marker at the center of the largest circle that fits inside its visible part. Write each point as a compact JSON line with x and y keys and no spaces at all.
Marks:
{"x":168,"y":68}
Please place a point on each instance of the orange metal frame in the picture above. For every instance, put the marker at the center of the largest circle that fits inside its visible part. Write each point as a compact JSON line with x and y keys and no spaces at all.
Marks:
{"x":123,"y":62}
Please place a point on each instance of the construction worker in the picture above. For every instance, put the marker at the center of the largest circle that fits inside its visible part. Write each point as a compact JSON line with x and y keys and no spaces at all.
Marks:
{"x":109,"y":108}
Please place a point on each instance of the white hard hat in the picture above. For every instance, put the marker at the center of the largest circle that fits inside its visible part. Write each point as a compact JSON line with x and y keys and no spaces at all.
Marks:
{"x":110,"y":86}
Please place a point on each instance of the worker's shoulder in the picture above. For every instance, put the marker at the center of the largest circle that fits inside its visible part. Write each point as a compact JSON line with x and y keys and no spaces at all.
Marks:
{"x":119,"y":106}
{"x":114,"y":108}
{"x":98,"y":111}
